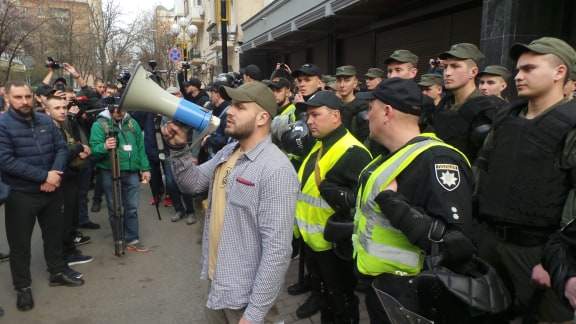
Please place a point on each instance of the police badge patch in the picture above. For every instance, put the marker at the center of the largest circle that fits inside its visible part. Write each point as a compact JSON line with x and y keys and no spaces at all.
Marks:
{"x":448,"y":176}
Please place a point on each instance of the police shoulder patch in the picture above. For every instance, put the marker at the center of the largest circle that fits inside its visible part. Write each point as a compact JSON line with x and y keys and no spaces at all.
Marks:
{"x":448,"y":175}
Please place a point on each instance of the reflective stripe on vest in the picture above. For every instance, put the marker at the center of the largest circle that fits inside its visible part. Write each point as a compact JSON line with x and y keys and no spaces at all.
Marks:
{"x":291,"y":111}
{"x":312,"y":212}
{"x":379,"y":247}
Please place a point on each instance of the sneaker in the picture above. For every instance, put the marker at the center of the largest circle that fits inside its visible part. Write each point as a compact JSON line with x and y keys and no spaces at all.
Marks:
{"x":90,"y":225}
{"x":177,"y":216}
{"x":24,"y":301}
{"x":136,"y":246}
{"x":73,"y":273}
{"x":81,"y":239}
{"x":191,"y":219}
{"x":65,"y":279}
{"x":167,"y":201}
{"x":78,"y":259}
{"x":4,"y":257}
{"x":96,"y":206}
{"x":1,"y":312}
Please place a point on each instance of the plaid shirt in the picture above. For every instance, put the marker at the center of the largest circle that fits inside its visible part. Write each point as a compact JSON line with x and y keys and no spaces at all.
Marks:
{"x":255,"y":244}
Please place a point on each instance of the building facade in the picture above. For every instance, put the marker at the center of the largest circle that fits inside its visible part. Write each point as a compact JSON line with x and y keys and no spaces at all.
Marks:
{"x":363,"y":33}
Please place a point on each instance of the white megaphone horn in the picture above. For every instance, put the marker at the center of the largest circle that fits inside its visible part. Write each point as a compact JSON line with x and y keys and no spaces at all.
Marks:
{"x":143,"y":94}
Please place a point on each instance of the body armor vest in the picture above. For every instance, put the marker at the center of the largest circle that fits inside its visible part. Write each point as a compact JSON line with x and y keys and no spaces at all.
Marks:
{"x":455,"y":126}
{"x":524,"y":183}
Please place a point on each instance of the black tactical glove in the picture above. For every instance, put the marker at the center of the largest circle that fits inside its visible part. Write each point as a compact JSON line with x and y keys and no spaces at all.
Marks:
{"x":336,"y":196}
{"x":413,"y":223}
{"x":457,"y":249}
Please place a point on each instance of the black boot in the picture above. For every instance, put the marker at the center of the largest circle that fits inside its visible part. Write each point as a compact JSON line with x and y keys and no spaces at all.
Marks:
{"x":24,"y":301}
{"x":352,"y":309}
{"x":64,"y":279}
{"x":1,"y":312}
{"x":298,"y":288}
{"x":311,"y":306}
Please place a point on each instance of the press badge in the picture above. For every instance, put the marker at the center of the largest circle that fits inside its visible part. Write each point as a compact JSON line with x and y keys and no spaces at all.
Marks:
{"x":127,"y":148}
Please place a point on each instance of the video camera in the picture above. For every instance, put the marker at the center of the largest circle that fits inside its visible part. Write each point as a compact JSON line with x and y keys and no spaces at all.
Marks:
{"x":53,"y":64}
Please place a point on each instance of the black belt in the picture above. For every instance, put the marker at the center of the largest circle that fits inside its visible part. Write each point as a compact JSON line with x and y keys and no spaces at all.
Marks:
{"x":521,"y":236}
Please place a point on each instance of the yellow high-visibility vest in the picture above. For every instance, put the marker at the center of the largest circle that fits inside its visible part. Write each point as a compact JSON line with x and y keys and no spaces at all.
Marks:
{"x":378,"y":246}
{"x":312,"y":212}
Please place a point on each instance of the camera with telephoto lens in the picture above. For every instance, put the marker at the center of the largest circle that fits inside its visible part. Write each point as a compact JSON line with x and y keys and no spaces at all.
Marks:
{"x":53,"y":64}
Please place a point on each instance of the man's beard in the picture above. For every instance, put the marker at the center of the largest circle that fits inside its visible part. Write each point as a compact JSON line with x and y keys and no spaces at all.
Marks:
{"x":241,"y":131}
{"x":24,"y":113}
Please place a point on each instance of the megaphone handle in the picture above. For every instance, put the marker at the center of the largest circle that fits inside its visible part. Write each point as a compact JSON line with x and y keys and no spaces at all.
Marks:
{"x":208,"y":130}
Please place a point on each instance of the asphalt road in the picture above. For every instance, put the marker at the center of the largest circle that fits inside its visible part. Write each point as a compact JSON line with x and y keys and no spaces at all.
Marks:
{"x":161,"y":286}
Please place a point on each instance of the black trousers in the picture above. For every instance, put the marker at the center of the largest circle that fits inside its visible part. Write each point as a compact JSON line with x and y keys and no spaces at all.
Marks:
{"x":339,"y":281}
{"x":71,"y":190}
{"x":22,"y":210}
{"x":313,"y":276}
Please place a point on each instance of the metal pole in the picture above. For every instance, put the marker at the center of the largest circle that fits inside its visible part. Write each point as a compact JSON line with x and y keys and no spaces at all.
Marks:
{"x":224,"y":31}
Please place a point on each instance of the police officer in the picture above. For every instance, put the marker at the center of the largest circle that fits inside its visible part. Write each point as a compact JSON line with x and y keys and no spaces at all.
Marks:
{"x":431,"y":86}
{"x":309,"y":80}
{"x":525,"y":175}
{"x":402,"y":64}
{"x":464,"y":116}
{"x":282,"y":93}
{"x":328,"y":177}
{"x":493,"y":80}
{"x":417,"y":194}
{"x":373,"y":78}
{"x":355,"y":109}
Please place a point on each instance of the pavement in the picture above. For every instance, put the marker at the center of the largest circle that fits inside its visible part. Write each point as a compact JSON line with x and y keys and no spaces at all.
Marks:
{"x":161,"y":286}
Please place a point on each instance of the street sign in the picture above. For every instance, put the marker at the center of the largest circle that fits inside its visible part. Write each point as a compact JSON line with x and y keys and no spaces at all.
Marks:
{"x":174,"y":54}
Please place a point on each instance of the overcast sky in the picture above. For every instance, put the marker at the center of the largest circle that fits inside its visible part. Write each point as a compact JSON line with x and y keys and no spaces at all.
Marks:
{"x":131,"y":8}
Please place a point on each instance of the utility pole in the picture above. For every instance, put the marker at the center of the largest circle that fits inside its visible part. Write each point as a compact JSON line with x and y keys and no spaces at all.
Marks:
{"x":224,"y":32}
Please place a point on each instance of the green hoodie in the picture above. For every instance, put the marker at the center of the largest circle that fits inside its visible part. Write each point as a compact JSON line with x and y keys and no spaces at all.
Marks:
{"x":129,"y":137}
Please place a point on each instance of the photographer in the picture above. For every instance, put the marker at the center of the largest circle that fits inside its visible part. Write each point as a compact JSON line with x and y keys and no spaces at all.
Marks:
{"x":64,"y":116}
{"x":116,"y":129}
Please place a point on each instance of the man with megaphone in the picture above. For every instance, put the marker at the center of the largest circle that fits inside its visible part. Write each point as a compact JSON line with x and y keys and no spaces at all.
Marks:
{"x":252,"y":196}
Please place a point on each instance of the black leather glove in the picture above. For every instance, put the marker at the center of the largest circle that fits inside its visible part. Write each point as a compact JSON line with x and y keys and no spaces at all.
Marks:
{"x":337,"y":197}
{"x":413,"y":223}
{"x":457,"y":249}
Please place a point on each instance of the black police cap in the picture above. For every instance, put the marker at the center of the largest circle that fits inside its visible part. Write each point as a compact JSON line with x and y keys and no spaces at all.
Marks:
{"x":403,"y":95}
{"x":325,"y":98}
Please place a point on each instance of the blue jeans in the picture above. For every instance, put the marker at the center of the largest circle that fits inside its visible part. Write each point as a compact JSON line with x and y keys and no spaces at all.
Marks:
{"x":181,"y":202}
{"x":130,"y":183}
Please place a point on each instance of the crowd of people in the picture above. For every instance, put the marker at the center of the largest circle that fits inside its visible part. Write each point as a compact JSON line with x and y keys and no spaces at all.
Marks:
{"x":438,"y":198}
